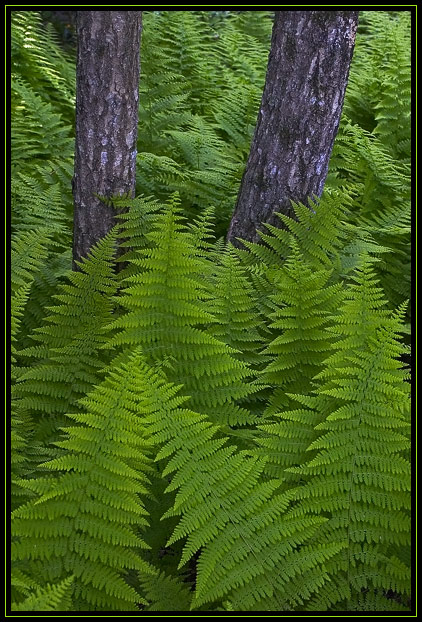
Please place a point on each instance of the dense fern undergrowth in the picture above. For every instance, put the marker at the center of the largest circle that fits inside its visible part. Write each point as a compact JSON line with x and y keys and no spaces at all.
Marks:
{"x":209,"y":428}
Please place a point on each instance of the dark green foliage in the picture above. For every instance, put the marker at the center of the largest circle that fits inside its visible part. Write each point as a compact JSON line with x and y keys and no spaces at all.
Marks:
{"x":372,"y":150}
{"x":47,"y":138}
{"x":42,"y":104}
{"x":39,"y":60}
{"x":165,"y":593}
{"x":194,"y":426}
{"x":41,"y":236}
{"x":40,"y":205}
{"x":65,"y":359}
{"x":199,"y":110}
{"x":29,"y":251}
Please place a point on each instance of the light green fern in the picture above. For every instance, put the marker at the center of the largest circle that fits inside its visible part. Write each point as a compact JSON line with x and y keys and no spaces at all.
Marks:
{"x":164,"y":315}
{"x":86,"y":520}
{"x":49,"y":598}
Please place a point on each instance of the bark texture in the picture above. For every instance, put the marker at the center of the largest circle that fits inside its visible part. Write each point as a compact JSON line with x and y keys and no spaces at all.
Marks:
{"x":307,"y":74}
{"x":107,"y":86}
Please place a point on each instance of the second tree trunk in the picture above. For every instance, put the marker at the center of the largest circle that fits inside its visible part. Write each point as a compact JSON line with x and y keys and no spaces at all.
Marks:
{"x":298,"y":120}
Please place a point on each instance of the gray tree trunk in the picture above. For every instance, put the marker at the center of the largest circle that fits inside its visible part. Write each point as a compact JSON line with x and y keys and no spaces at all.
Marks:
{"x":107,"y":82}
{"x":307,"y":74}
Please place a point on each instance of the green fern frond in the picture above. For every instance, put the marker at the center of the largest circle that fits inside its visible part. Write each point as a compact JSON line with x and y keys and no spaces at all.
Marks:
{"x":38,"y":59}
{"x":232,"y":305}
{"x":360,"y":470}
{"x":47,"y":139}
{"x":66,"y":359}
{"x":41,"y":297}
{"x":18,"y":303}
{"x":304,"y":304}
{"x":20,"y":422}
{"x":165,"y":316}
{"x":227,"y":513}
{"x":29,"y":251}
{"x":166,"y":593}
{"x":202,"y":230}
{"x":244,"y":42}
{"x":372,"y":148}
{"x":50,"y":598}
{"x":86,"y":520}
{"x":36,"y":204}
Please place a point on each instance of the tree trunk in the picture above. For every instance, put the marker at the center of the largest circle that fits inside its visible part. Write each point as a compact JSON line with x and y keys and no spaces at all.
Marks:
{"x":107,"y":81}
{"x":307,"y":74}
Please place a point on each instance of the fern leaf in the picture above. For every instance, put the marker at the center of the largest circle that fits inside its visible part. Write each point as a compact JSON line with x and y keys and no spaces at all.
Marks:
{"x":86,"y":520}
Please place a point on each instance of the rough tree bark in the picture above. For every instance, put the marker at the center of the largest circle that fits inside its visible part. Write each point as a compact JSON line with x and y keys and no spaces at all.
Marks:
{"x":307,"y":74}
{"x":107,"y":81}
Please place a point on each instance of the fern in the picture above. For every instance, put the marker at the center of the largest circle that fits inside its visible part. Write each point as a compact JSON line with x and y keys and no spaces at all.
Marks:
{"x":35,"y":205}
{"x":245,"y":41}
{"x":211,"y":170}
{"x":49,"y":598}
{"x":41,"y":297}
{"x":20,"y":423}
{"x":136,"y":218}
{"x":227,"y":513}
{"x":372,"y":150}
{"x":189,"y":112}
{"x":202,"y":231}
{"x":365,"y":474}
{"x":29,"y":251}
{"x":360,"y":470}
{"x":46,"y":140}
{"x":164,"y":316}
{"x":378,"y":95}
{"x":324,"y":235}
{"x":38,"y":59}
{"x":234,"y":114}
{"x":305,"y":305}
{"x":194,"y":426}
{"x":305,"y":301}
{"x":233,"y":307}
{"x":165,"y":593}
{"x":86,"y":520}
{"x":21,"y":586}
{"x":66,"y":360}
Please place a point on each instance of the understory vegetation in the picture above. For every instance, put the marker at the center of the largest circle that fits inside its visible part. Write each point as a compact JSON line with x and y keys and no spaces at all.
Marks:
{"x":211,"y":428}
